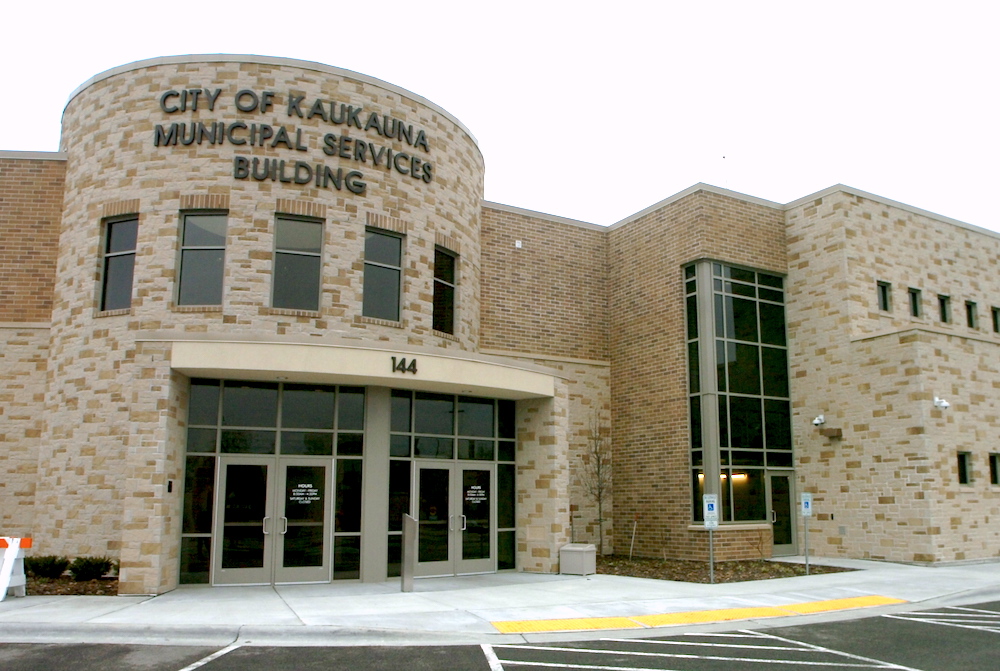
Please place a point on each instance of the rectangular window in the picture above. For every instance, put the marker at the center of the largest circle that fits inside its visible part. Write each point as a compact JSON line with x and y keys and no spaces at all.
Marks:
{"x":915,"y":306}
{"x":944,"y":308}
{"x":203,"y":252}
{"x":995,"y":469}
{"x":444,"y":291}
{"x":995,"y":312}
{"x":971,"y":315}
{"x":298,"y":252}
{"x":884,"y":290}
{"x":383,"y":275}
{"x":964,"y":468}
{"x":119,"y":264}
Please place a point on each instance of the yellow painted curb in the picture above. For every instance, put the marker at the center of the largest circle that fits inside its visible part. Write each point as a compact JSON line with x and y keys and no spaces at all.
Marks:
{"x":841,"y":604}
{"x":702,"y":616}
{"x":568,"y":624}
{"x":690,"y":617}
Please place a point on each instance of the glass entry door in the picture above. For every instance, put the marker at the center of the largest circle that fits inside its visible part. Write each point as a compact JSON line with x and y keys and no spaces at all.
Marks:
{"x":272,"y":523}
{"x":455,"y":519}
{"x":781,"y":496}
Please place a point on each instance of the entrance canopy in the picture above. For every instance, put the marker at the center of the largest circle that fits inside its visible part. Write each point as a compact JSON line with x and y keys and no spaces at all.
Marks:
{"x":353,"y":365}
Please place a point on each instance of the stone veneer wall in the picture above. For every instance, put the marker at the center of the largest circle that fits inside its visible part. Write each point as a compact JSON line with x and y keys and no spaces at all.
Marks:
{"x":649,"y":362}
{"x":116,"y":411}
{"x":23,"y":356}
{"x":888,"y":488}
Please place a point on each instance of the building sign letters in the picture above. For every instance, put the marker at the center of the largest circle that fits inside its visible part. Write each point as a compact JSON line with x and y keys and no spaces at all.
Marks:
{"x":357,"y":137}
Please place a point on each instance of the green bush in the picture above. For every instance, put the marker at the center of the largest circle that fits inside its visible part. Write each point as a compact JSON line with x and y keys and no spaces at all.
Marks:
{"x":46,"y":566}
{"x":89,"y":568}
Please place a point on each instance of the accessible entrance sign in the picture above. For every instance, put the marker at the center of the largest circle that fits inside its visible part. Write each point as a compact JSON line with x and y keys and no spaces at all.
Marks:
{"x":711,"y":510}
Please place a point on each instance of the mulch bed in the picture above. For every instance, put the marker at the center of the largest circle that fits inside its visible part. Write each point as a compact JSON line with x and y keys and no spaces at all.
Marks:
{"x":66,"y":586}
{"x":697,"y":571}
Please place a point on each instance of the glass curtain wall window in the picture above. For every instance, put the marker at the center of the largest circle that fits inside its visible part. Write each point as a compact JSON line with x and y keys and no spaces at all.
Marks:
{"x":383,"y":275}
{"x":298,"y":254}
{"x":119,"y":263}
{"x":444,"y":291}
{"x":740,"y":415}
{"x":203,"y":252}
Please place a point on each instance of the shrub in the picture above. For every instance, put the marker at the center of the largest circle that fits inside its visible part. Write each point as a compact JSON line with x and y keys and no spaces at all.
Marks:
{"x":89,"y":568}
{"x":46,"y":566}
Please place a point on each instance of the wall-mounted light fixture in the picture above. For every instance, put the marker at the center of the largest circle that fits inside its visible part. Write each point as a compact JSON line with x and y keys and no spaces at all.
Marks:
{"x":819,"y":421}
{"x":941,"y":403}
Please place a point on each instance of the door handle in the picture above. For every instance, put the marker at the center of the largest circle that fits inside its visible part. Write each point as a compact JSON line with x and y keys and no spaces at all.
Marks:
{"x":774,"y":517}
{"x":463,"y":522}
{"x":285,"y":530}
{"x":451,"y":522}
{"x":263,"y":524}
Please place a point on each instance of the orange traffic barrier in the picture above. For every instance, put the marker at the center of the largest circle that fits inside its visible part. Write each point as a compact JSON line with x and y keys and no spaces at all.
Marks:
{"x":25,"y":543}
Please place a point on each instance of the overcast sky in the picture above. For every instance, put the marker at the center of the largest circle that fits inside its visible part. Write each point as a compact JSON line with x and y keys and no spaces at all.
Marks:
{"x":596,"y":110}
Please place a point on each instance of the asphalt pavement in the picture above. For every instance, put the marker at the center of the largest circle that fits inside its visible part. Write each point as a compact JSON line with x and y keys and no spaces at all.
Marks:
{"x":495,"y":608}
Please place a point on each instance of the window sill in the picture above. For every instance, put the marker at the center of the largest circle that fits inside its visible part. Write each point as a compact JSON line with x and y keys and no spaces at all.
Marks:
{"x":112,"y":313}
{"x":446,"y":336}
{"x":378,"y":322}
{"x":289,"y":312}
{"x":196,"y":308}
{"x":733,"y":526}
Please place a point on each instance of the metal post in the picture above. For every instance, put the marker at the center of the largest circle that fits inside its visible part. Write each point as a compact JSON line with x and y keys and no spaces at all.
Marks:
{"x":711,"y":556}
{"x":409,"y":552}
{"x":805,"y":521}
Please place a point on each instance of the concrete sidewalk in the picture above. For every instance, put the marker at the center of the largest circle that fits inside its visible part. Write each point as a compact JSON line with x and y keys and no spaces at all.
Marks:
{"x":496,"y":608}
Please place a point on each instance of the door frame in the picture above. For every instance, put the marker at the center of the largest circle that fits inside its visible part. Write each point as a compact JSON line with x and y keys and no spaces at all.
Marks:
{"x":782,"y":549}
{"x":274,"y":525}
{"x":457,"y":522}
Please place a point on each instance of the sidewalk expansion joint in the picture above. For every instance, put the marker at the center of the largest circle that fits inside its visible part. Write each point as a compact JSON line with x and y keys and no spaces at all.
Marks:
{"x":689,"y":617}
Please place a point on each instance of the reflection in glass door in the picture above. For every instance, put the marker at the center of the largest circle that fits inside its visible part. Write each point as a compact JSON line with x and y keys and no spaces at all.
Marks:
{"x":267,"y":537}
{"x":782,"y":513}
{"x":456,"y":519}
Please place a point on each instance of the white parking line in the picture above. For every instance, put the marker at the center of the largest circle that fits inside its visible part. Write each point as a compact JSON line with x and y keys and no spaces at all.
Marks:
{"x":872,"y":664}
{"x":215,"y":655}
{"x":962,"y":620}
{"x":491,"y":657}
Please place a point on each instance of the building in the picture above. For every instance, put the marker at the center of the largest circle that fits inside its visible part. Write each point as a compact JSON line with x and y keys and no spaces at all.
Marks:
{"x":256,"y":309}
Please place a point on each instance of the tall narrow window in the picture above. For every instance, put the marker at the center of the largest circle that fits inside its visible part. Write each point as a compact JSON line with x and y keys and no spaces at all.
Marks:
{"x":915,"y":303}
{"x":119,"y":264}
{"x":444,"y":291}
{"x":383,"y":272}
{"x":971,"y":315}
{"x":203,"y":252}
{"x":944,"y":308}
{"x":995,"y":469}
{"x":884,"y":291}
{"x":965,"y":468}
{"x":995,"y":312}
{"x":298,"y":248}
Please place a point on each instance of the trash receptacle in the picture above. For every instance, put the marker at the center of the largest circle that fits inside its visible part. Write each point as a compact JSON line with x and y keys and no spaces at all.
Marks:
{"x":578,"y":559}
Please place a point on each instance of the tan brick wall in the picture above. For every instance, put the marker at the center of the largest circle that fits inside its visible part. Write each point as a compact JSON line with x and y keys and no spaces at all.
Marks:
{"x":550,"y":296}
{"x":31,"y":203}
{"x":888,"y":488}
{"x":649,"y":359}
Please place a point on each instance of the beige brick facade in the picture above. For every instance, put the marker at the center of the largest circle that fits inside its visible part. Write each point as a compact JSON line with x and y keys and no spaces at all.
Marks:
{"x":584,"y":326}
